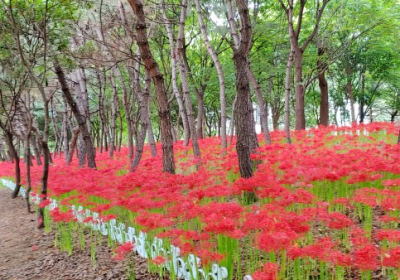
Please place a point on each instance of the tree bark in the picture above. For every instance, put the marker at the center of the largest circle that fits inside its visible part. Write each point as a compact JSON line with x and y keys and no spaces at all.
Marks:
{"x":246,"y":135}
{"x":158,"y":79}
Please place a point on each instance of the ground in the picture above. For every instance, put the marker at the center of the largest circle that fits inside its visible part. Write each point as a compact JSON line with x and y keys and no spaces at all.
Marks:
{"x":27,"y":253}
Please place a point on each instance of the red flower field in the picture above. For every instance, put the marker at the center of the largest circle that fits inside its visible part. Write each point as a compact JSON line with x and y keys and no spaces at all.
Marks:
{"x":327,"y":206}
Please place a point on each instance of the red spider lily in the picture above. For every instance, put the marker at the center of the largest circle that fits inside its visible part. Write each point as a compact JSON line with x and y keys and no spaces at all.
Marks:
{"x":391,"y":183}
{"x":276,"y":241}
{"x":282,"y":180}
{"x":207,"y":257}
{"x":358,"y":237}
{"x":44,"y":203}
{"x":123,"y":250}
{"x":388,"y":219}
{"x":159,"y":260}
{"x":392,"y":258}
{"x":152,"y":220}
{"x":338,"y":221}
{"x":342,"y":200}
{"x":269,"y":272}
{"x":366,"y":258}
{"x":59,"y":216}
{"x":389,"y":234}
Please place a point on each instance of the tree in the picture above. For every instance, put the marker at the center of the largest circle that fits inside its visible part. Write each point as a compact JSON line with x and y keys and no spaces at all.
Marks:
{"x":244,"y":119}
{"x":294,"y":35}
{"x":90,"y":149}
{"x":158,"y":80}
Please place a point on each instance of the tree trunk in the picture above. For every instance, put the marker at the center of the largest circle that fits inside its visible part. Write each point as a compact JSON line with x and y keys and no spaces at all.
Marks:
{"x":184,"y":81}
{"x":323,"y":86}
{"x":28,"y":171}
{"x":74,"y":141}
{"x":143,"y":97}
{"x":300,"y":122}
{"x":246,"y":135}
{"x":150,"y":134}
{"x":158,"y":79}
{"x":9,"y":140}
{"x":114,"y":114}
{"x":288,"y":81}
{"x":46,"y":160}
{"x":128,"y":119}
{"x":36,"y":151}
{"x":393,"y":115}
{"x":65,"y":130}
{"x":174,"y":59}
{"x":294,"y":36}
{"x":261,"y":104}
{"x":350,"y":95}
{"x":90,"y":150}
{"x":82,"y":151}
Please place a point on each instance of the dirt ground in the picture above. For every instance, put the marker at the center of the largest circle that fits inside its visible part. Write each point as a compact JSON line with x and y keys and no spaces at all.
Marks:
{"x":27,"y":253}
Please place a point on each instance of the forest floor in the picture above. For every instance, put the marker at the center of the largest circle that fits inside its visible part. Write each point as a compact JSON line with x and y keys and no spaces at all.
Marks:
{"x":28,"y":253}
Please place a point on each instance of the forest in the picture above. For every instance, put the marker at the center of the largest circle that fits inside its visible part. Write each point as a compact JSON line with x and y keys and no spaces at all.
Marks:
{"x":228,"y":91}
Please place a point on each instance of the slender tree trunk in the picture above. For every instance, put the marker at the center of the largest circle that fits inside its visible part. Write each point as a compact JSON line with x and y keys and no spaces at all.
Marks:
{"x":143,"y":97}
{"x":350,"y":95}
{"x":74,"y":141}
{"x":294,"y":34}
{"x":65,"y":130}
{"x":323,"y":86}
{"x":361,"y":105}
{"x":120,"y":132}
{"x":3,"y":153}
{"x":393,"y":115}
{"x":184,"y":81}
{"x":158,"y":79}
{"x":103,"y":137}
{"x":288,"y":80}
{"x":299,"y":89}
{"x":36,"y":151}
{"x":114,"y":114}
{"x":233,"y":120}
{"x":174,"y":59}
{"x":90,"y":150}
{"x":9,"y":140}
{"x":28,"y":171}
{"x":150,"y":134}
{"x":261,"y":104}
{"x":45,"y":176}
{"x":221,"y":79}
{"x":125,"y":102}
